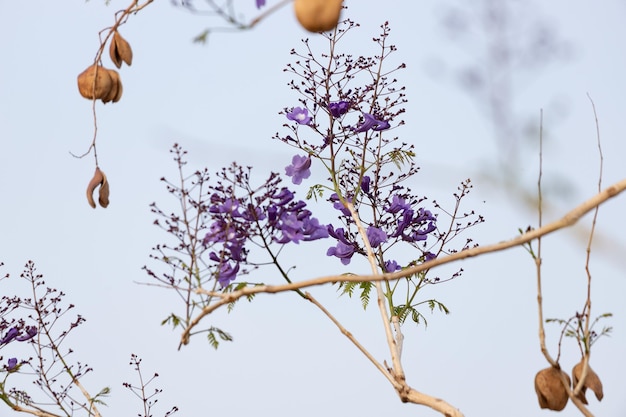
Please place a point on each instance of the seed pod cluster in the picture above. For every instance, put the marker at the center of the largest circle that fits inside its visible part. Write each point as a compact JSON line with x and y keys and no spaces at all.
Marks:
{"x":100,"y":83}
{"x":318,"y":15}
{"x":98,"y":180}
{"x":553,"y":395}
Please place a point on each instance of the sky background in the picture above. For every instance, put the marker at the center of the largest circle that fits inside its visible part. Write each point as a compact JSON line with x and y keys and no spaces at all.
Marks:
{"x":221,"y":101}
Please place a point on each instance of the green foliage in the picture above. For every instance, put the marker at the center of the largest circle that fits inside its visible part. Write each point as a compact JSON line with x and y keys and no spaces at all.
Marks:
{"x":104,"y":392}
{"x":574,"y":327}
{"x":348,"y":288}
{"x":172,"y":319}
{"x":403,"y":311}
{"x":401,"y":157}
{"x":214,"y":333}
{"x":316,"y":191}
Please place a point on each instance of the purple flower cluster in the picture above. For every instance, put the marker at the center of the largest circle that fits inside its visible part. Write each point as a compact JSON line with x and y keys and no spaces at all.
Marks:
{"x":20,"y":335}
{"x":400,"y":223}
{"x":339,"y":108}
{"x":274,"y":216}
{"x":411,"y":226}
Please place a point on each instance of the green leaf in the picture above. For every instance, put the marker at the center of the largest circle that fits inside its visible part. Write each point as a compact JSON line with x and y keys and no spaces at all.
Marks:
{"x":366,"y":288}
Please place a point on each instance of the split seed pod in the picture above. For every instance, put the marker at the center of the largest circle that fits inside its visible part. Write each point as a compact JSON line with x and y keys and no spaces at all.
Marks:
{"x":99,"y":179}
{"x":550,"y":390}
{"x":94,"y":83}
{"x":592,"y":381}
{"x":120,"y":50}
{"x":318,"y":15}
{"x":116,"y":87}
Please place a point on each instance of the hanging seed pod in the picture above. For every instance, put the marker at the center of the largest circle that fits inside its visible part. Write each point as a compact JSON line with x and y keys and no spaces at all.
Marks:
{"x":120,"y":50}
{"x":318,"y":15}
{"x":99,"y":179}
{"x":94,"y":90}
{"x":103,"y":194}
{"x":592,"y":381}
{"x":550,"y":390}
{"x":116,"y":87}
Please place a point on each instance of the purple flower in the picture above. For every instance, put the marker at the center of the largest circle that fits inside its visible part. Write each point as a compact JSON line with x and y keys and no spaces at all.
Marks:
{"x":365,"y":184}
{"x":313,"y":230}
{"x":376,"y":236}
{"x":11,"y":334}
{"x":31,"y":331}
{"x":284,"y":196}
{"x":227,"y":274}
{"x":370,"y":122}
{"x":392,"y":266}
{"x":299,"y":169}
{"x":260,"y":3}
{"x":341,"y":251}
{"x":338,"y":205}
{"x":339,"y":108}
{"x":429,"y":256}
{"x":397,"y":204}
{"x":299,"y":115}
{"x":11,"y":364}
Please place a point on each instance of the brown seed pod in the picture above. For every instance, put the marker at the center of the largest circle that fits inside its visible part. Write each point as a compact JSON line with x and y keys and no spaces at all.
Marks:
{"x":318,"y":15}
{"x":94,"y":90}
{"x":120,"y":50}
{"x":103,"y":194}
{"x":592,"y":381}
{"x":550,"y":390}
{"x":116,"y":87}
{"x":99,"y":179}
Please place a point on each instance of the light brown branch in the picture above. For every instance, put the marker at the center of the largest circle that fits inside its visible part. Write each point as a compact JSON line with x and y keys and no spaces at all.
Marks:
{"x":568,"y":220}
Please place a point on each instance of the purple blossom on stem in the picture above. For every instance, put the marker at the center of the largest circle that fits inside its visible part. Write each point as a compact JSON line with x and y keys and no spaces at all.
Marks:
{"x":11,"y":334}
{"x":299,"y":115}
{"x":338,"y":205}
{"x":227,"y":273}
{"x":365,"y":184}
{"x":11,"y":364}
{"x":370,"y":122}
{"x":341,"y":251}
{"x":299,"y":169}
{"x":376,"y":236}
{"x":397,"y":204}
{"x":339,"y":108}
{"x":429,"y":256}
{"x":260,"y":3}
{"x":392,"y":266}
{"x":31,"y":331}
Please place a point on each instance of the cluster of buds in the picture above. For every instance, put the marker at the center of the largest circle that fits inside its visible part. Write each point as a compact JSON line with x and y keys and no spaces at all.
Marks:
{"x":100,"y":83}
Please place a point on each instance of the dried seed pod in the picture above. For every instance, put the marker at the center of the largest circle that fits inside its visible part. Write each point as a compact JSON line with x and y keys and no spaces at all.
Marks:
{"x":116,"y":87}
{"x":94,"y":83}
{"x":103,"y":194}
{"x":318,"y":15}
{"x":99,"y":179}
{"x":592,"y":381}
{"x":120,"y":50}
{"x":550,"y":390}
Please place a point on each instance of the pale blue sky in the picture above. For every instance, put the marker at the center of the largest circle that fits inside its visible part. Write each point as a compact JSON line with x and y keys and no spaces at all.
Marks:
{"x":221,"y":102}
